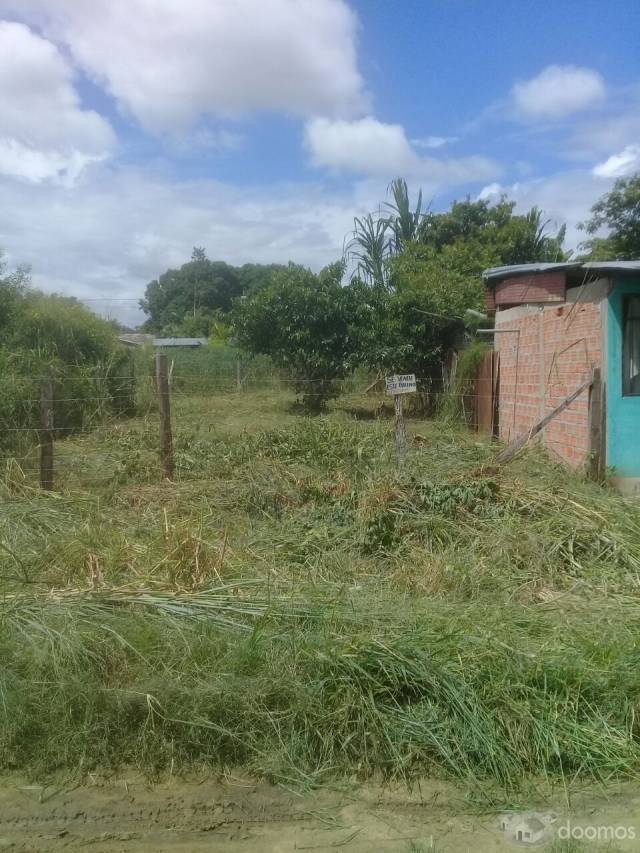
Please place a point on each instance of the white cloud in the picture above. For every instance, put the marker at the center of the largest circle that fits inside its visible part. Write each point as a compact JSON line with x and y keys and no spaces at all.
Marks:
{"x":168,"y":62}
{"x":112,"y":234}
{"x":371,"y":147}
{"x":565,"y":199}
{"x":433,"y":141}
{"x":619,"y":165}
{"x":558,"y":91}
{"x":491,"y":191}
{"x":44,"y":132}
{"x":365,"y":145}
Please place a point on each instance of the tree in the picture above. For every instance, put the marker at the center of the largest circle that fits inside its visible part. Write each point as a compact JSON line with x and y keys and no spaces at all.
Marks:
{"x":405,"y":224}
{"x":200,"y":294}
{"x":432,"y":291}
{"x":301,"y":321}
{"x":370,"y":247}
{"x":619,"y":212}
{"x":499,"y":235}
{"x":13,"y":287}
{"x":496,"y":233}
{"x":190,"y":295}
{"x":254,"y":277}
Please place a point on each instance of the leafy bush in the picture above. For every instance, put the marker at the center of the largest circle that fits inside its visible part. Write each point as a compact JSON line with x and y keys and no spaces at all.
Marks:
{"x":464,"y":380}
{"x":58,"y":337}
{"x":302,"y":323}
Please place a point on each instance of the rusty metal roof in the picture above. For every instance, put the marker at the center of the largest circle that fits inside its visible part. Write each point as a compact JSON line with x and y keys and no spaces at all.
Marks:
{"x":527,"y":269}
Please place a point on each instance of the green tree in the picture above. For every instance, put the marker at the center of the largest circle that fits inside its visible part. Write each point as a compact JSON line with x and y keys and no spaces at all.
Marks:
{"x":254,"y":277}
{"x":493,"y":234}
{"x":191,"y":294}
{"x":370,"y":247}
{"x":404,"y":223}
{"x":13,"y":287}
{"x":301,"y":320}
{"x":499,"y":235}
{"x":619,"y":212}
{"x":431,"y":291}
{"x":194,"y":298}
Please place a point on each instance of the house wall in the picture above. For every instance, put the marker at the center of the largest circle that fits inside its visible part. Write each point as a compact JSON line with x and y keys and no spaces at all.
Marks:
{"x":547,"y":353}
{"x":538,"y":287}
{"x":623,"y":413}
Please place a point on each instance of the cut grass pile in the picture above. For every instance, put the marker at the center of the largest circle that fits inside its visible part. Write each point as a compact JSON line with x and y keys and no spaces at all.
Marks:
{"x":294,"y":605}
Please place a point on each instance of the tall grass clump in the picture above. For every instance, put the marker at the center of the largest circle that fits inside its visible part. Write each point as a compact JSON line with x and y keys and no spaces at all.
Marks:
{"x":457,"y":403}
{"x":478,"y":694}
{"x":210,"y":369}
{"x":57,"y":337}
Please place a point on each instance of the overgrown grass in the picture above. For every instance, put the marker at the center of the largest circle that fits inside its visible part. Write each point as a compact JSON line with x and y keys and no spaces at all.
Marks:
{"x":295,"y":605}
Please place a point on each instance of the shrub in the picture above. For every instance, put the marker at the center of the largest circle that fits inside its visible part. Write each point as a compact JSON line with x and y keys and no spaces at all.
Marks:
{"x":57,"y":336}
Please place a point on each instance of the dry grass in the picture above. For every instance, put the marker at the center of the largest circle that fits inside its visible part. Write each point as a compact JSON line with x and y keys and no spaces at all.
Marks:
{"x":292,"y":604}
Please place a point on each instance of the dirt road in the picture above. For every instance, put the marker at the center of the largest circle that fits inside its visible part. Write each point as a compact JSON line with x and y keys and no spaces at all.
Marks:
{"x":238,"y":816}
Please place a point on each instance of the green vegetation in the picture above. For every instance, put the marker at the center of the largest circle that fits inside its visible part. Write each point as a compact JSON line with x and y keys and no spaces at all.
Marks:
{"x":466,"y":239}
{"x":293,"y":605}
{"x":213,"y":368}
{"x":302,"y":322}
{"x":463,"y":387}
{"x":196,"y":299}
{"x":416,"y":275}
{"x":619,"y":212}
{"x":56,"y":336}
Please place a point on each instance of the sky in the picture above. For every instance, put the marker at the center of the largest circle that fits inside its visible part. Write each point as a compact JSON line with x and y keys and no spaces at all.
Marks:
{"x":133,"y":130}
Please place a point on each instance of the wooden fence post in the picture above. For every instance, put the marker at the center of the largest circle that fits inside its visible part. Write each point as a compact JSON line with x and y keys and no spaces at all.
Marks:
{"x":401,"y":444}
{"x":238,"y":375}
{"x":46,"y":433}
{"x":164,"y":405}
{"x":596,"y":431}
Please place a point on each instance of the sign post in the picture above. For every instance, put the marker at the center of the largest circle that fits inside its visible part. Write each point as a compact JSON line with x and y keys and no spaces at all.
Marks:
{"x":398,"y":385}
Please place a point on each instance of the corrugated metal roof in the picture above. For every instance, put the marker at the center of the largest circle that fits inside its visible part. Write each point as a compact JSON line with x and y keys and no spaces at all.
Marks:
{"x":135,"y":339}
{"x":180,"y":342}
{"x":527,"y":269}
{"x":613,"y":266}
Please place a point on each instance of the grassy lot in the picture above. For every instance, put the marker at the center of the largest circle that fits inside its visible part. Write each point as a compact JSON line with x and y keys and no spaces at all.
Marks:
{"x":294,"y":605}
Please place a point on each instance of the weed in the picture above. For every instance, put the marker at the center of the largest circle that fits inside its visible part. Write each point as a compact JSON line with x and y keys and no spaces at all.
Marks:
{"x":293,"y":604}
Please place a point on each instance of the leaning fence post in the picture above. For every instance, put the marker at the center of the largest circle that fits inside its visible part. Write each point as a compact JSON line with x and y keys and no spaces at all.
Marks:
{"x":164,"y":406}
{"x":596,"y":432}
{"x":46,"y":433}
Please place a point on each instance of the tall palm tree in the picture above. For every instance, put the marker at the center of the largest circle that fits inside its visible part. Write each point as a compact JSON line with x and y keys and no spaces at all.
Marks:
{"x":370,"y":247}
{"x":404,"y":223}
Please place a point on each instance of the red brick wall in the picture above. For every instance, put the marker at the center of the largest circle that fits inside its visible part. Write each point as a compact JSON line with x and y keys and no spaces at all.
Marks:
{"x":538,"y":287}
{"x":556,"y":350}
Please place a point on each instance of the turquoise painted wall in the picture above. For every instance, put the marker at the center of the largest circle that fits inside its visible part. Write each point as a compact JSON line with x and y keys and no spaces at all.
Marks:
{"x":623,"y":413}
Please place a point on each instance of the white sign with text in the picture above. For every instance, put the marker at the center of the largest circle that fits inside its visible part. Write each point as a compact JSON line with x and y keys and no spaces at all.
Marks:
{"x":402,"y":383}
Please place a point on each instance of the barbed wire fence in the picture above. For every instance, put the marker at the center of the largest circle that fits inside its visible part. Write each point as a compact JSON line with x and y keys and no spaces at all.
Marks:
{"x":165,"y":393}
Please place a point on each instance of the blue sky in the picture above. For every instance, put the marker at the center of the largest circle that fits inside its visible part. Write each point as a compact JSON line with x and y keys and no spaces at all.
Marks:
{"x":131,"y":130}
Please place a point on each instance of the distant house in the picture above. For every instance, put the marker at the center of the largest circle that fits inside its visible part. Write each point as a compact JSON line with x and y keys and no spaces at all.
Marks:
{"x":139,"y":340}
{"x":180,"y":342}
{"x":135,"y":339}
{"x":557,"y":326}
{"x":529,"y":830}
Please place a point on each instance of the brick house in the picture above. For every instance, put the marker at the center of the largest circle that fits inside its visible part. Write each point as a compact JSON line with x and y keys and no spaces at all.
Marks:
{"x":556,"y":326}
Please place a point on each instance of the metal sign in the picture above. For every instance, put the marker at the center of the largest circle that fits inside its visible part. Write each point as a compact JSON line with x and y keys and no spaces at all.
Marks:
{"x":403,"y":383}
